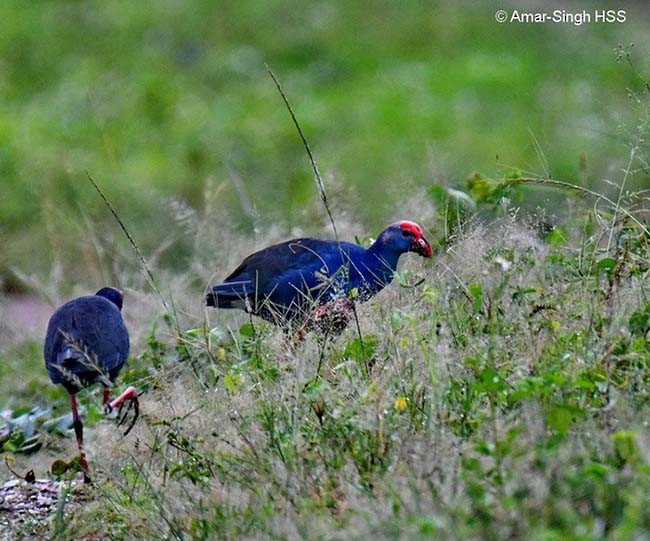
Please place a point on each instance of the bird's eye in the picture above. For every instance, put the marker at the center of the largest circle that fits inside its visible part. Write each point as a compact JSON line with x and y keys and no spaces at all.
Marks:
{"x":406,"y":233}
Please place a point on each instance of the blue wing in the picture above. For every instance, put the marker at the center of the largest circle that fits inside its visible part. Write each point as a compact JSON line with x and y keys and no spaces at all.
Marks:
{"x":280,"y":281}
{"x":87,"y":327}
{"x":279,"y":271}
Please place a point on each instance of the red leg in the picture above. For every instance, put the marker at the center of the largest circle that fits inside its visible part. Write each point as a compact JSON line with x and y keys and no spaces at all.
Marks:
{"x":78,"y":430}
{"x":107,"y":396}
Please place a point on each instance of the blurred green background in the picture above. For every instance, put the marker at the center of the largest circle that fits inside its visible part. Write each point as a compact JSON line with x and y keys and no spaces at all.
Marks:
{"x":164,"y":100}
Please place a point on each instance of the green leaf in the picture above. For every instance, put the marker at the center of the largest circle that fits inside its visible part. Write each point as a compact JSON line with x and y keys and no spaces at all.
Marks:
{"x":247,"y":330}
{"x":232,"y":382}
{"x":31,"y":445}
{"x":431,"y":294}
{"x":59,"y":467}
{"x":626,"y":445}
{"x":403,"y":278}
{"x":476,"y":292}
{"x":315,"y":387}
{"x":607,"y":263}
{"x":521,"y":292}
{"x":557,"y":237}
{"x":485,"y":448}
{"x":491,"y":380}
{"x":640,"y":322}
{"x":196,"y":333}
{"x":482,"y":188}
{"x":596,"y":470}
{"x":361,"y":350}
{"x":471,"y":464}
{"x":559,"y":418}
{"x":438,"y":193}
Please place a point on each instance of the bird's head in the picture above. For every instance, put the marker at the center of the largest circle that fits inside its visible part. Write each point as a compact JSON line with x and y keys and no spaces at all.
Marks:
{"x":405,"y":236}
{"x":112,"y":294}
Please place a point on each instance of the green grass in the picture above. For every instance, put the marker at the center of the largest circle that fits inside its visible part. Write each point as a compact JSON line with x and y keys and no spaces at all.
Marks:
{"x":504,"y":397}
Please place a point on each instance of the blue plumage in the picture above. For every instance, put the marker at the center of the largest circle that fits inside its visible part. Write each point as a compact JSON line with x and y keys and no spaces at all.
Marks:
{"x":90,"y":326}
{"x":285,"y":282}
{"x":87,"y":341}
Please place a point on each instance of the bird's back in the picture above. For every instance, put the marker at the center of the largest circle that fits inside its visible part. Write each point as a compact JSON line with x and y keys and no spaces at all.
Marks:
{"x":284,"y":279}
{"x":86,"y":338}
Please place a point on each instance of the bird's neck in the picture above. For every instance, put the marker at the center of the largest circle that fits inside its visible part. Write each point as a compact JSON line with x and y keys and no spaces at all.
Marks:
{"x":383,"y":257}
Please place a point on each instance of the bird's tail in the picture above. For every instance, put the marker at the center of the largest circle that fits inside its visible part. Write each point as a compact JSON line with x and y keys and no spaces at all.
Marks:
{"x":227,"y":295}
{"x":212,"y":299}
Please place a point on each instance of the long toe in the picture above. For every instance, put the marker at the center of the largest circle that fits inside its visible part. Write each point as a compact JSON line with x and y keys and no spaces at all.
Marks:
{"x":134,"y":404}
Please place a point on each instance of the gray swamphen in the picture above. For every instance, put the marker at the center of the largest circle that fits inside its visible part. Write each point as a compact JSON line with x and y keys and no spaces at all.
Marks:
{"x":87,"y":342}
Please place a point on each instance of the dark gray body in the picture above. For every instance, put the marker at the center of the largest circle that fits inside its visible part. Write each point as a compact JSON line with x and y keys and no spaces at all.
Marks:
{"x":95,"y":324}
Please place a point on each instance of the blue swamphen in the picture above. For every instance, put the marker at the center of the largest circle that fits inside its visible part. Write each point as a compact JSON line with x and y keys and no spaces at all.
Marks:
{"x":305,"y":283}
{"x":86,"y":342}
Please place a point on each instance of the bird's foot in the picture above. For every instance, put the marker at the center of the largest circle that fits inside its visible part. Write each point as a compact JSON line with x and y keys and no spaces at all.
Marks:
{"x":130,"y":395}
{"x":134,"y":405}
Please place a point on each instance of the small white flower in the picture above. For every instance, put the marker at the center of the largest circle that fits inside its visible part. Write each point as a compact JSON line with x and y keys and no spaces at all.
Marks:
{"x":503,"y":263}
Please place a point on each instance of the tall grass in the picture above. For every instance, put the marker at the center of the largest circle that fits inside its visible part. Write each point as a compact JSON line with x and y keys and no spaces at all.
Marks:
{"x":506,"y":397}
